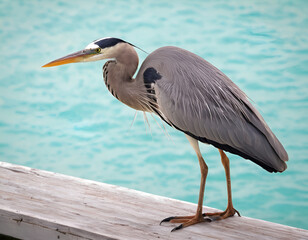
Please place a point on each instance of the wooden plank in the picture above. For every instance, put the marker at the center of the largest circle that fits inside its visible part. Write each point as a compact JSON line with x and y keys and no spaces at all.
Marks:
{"x":36,"y":204}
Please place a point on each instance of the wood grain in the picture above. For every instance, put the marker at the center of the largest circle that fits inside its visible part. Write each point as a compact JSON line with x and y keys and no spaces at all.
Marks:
{"x":36,"y":204}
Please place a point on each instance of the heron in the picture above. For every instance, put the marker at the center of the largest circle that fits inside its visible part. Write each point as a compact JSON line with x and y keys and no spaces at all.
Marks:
{"x":193,"y":96}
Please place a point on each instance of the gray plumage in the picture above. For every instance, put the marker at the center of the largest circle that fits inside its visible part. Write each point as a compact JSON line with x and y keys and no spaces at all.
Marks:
{"x":188,"y":93}
{"x":194,"y":97}
{"x":198,"y":99}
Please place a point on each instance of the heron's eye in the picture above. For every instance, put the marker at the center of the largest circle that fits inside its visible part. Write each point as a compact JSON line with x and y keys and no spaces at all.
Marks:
{"x":98,"y":50}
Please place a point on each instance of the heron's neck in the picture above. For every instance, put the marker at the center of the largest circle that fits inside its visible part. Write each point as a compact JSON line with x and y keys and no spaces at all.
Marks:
{"x":118,"y":75}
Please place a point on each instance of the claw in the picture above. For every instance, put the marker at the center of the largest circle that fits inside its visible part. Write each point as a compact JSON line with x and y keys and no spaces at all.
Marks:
{"x":207,"y":219}
{"x":177,"y":228}
{"x":168,"y":219}
{"x":237,"y":212}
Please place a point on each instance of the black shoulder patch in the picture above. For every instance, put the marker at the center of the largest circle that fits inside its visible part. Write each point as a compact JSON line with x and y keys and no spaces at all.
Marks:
{"x":150,"y":75}
{"x":108,"y":42}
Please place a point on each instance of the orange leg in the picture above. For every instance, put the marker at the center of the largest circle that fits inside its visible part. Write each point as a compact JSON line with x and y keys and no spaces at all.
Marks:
{"x":230,"y":211}
{"x":198,"y":217}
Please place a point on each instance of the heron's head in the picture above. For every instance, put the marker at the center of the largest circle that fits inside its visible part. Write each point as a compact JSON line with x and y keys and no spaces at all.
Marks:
{"x":104,"y":48}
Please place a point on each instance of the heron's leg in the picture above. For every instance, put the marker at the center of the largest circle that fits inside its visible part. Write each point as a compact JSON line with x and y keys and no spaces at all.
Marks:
{"x":198,"y":217}
{"x":230,"y":211}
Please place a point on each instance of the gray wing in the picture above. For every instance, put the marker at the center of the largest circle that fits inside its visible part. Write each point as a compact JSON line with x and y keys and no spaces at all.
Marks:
{"x":198,"y":99}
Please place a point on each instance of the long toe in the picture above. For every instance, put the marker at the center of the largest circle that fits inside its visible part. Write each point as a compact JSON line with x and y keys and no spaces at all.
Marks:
{"x":214,"y":214}
{"x":177,"y":219}
{"x":186,"y":220}
{"x":189,"y":222}
{"x":230,"y":212}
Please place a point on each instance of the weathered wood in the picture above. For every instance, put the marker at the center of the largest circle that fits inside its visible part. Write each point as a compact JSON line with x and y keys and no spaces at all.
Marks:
{"x":36,"y":204}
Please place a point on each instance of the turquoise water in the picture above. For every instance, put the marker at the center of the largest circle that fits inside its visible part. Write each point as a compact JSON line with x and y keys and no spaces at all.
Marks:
{"x":64,"y":119}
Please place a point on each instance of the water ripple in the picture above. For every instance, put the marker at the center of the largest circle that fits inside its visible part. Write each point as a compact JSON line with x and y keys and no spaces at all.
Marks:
{"x":64,"y":120}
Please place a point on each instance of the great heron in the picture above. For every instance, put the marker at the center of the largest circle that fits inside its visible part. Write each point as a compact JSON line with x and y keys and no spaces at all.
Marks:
{"x":193,"y":96}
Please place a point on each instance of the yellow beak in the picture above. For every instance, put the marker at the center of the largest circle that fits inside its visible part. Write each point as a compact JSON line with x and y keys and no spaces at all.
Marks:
{"x":79,"y":56}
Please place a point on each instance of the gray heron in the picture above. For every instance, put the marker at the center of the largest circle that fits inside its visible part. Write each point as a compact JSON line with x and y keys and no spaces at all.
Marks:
{"x":193,"y":96}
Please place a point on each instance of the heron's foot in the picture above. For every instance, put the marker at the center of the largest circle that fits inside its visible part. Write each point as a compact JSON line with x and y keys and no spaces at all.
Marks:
{"x":229,"y":212}
{"x":186,"y":220}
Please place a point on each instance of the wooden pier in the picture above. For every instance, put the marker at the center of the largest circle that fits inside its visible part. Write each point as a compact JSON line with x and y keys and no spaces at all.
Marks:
{"x":39,"y":205}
